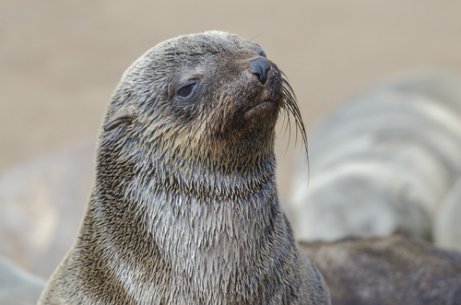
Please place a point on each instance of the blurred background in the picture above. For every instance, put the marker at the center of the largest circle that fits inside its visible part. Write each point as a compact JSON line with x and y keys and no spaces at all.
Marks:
{"x":60,"y":61}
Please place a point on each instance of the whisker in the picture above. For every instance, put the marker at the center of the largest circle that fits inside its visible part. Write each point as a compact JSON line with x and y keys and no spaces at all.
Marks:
{"x":291,"y":109}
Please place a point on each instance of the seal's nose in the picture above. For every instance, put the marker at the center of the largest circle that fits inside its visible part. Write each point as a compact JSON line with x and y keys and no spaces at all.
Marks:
{"x":260,"y":66}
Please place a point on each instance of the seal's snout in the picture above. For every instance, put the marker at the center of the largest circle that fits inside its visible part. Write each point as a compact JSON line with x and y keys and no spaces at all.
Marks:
{"x":260,"y":66}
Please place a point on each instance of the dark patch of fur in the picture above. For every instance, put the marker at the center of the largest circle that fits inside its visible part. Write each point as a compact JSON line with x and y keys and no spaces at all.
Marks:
{"x":387,"y":271}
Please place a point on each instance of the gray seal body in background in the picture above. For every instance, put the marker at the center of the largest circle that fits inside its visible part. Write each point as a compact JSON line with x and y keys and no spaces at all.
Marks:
{"x":384,"y":163}
{"x":387,"y":271}
{"x":18,"y":287}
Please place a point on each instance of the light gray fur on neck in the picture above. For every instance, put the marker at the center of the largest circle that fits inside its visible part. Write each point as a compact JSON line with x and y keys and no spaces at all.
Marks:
{"x":209,"y":250}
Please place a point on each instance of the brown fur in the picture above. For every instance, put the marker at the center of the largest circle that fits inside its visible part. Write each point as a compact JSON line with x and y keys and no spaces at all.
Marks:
{"x":185,"y":208}
{"x":387,"y":271}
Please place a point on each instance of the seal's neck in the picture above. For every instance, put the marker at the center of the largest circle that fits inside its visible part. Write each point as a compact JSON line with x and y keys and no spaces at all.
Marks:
{"x":215,"y":236}
{"x":231,"y":181}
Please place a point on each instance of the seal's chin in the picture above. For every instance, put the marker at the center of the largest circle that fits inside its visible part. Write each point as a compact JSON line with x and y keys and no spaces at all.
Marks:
{"x":264,"y":108}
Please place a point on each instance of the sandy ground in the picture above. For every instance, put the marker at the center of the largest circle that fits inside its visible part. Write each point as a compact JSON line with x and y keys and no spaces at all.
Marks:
{"x":60,"y":60}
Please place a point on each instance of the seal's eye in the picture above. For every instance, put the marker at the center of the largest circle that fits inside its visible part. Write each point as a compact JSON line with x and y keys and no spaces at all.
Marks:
{"x":186,"y":90}
{"x":260,"y":50}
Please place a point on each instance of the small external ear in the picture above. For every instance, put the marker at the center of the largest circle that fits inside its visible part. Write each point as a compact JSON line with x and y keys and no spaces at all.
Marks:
{"x":124,"y":115}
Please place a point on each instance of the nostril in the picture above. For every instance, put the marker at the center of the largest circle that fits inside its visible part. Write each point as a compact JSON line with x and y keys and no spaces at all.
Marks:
{"x":260,"y":66}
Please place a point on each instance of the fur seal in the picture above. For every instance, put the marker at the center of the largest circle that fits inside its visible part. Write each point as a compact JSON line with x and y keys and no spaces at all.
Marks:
{"x":185,"y":208}
{"x":385,"y":163}
{"x":41,"y":203}
{"x":447,"y":227}
{"x":18,"y":287}
{"x":387,"y":271}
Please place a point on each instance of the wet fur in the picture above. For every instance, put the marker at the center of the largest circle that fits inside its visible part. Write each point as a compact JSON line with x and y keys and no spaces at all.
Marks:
{"x":185,"y":208}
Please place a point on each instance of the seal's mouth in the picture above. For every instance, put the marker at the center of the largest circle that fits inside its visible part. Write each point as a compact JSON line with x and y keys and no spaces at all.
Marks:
{"x":265,"y":106}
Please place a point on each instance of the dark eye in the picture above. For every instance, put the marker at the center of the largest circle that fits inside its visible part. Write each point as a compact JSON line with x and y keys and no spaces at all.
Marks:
{"x":186,"y":90}
{"x":260,"y":50}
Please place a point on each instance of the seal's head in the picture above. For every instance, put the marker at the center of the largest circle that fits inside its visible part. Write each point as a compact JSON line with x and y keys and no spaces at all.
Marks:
{"x":205,"y":101}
